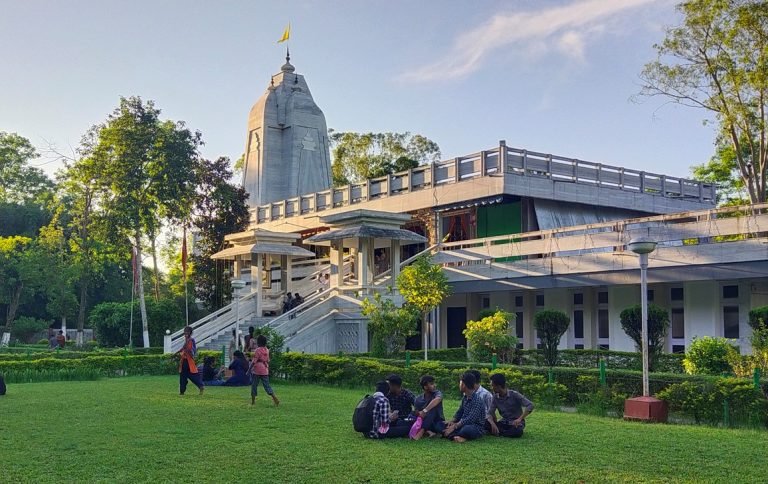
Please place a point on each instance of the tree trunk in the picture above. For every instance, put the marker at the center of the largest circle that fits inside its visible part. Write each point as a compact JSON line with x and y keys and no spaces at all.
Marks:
{"x":154,"y":266}
{"x":142,"y":303}
{"x":11,"y":315}
{"x":81,"y":310}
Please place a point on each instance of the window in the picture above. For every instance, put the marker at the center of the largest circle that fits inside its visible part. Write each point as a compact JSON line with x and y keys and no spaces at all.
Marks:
{"x":731,"y":321}
{"x":730,"y":292}
{"x":678,"y":348}
{"x":650,"y":295}
{"x":602,"y":324}
{"x":579,"y":347}
{"x":677,"y":323}
{"x":539,"y":299}
{"x":602,"y":297}
{"x":519,"y":301}
{"x":676,"y":294}
{"x":578,"y":324}
{"x":604,"y":347}
{"x":485,"y":301}
{"x":519,"y":325}
{"x":578,"y":299}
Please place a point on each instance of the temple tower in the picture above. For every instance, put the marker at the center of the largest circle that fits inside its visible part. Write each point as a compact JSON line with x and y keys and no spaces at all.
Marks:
{"x":286,"y":152}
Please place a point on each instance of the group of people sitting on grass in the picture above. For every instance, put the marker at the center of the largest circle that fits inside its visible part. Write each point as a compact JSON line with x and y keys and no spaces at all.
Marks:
{"x":244,"y":372}
{"x":398,"y":413}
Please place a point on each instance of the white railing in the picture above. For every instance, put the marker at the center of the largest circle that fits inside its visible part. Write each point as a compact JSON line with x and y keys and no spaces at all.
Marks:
{"x":500,"y":160}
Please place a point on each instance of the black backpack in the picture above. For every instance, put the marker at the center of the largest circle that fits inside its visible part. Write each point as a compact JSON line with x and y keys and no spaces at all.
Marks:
{"x":362,"y":418}
{"x":2,"y":385}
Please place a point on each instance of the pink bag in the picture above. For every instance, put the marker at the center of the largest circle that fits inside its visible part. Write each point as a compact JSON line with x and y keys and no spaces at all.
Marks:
{"x":415,"y":428}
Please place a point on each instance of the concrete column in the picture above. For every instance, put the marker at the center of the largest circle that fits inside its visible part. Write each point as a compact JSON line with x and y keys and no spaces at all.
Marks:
{"x":337,"y":263}
{"x":363,"y":262}
{"x":258,"y":289}
{"x":237,"y":267}
{"x":284,"y":269}
{"x":288,"y":286}
{"x":395,"y":261}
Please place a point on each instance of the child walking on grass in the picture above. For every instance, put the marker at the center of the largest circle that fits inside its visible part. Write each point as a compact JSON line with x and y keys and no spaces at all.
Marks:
{"x":260,"y":370}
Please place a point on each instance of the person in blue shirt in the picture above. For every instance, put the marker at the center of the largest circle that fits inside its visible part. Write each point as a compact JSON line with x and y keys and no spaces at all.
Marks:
{"x":239,"y":366}
{"x":469,"y":421}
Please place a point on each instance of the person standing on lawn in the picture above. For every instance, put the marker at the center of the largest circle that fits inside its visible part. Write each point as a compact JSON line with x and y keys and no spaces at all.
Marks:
{"x":429,"y":406}
{"x":260,"y":370}
{"x":187,"y":367}
{"x":469,"y":421}
{"x":512,"y":406}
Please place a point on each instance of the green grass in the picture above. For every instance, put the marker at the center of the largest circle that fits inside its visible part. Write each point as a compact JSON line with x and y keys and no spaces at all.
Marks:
{"x":139,"y":429}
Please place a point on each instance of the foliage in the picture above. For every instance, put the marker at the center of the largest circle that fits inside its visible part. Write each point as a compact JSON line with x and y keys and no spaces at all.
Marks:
{"x":715,"y":60}
{"x":758,"y":321}
{"x":111,"y":322}
{"x":26,"y":327}
{"x":550,"y":326}
{"x":708,"y":356}
{"x":491,"y":335}
{"x":276,"y":345}
{"x":423,"y":285}
{"x":19,"y":182}
{"x":658,"y":325}
{"x":22,"y":273}
{"x":389,"y":324}
{"x":361,"y":156}
{"x":602,"y":401}
{"x":723,"y":169}
{"x":220,"y":209}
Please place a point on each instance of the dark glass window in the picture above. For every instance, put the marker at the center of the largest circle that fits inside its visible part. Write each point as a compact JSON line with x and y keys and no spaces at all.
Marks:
{"x":678,"y":348}
{"x":486,"y":302}
{"x":539,"y":299}
{"x":676,"y":294}
{"x":578,"y":347}
{"x":578,"y":299}
{"x":650,"y":295}
{"x":730,"y":292}
{"x":519,"y":301}
{"x":731,"y":321}
{"x":602,"y":297}
{"x":604,"y":347}
{"x":519,"y":325}
{"x":677,"y":321}
{"x":578,"y":323}
{"x":602,"y":323}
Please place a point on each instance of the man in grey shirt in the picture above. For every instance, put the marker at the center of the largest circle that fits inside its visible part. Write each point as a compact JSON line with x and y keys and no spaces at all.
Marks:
{"x":485,"y":395}
{"x":512,"y":406}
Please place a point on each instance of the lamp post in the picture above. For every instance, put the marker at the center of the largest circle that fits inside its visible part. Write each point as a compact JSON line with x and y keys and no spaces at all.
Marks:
{"x":237,"y":284}
{"x":643,"y":246}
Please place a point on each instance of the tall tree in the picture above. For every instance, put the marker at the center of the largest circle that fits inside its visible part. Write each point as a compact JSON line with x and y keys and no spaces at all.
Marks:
{"x":220,"y":209}
{"x":149,"y":169}
{"x":717,"y":60}
{"x":723,"y":169}
{"x":360,"y":156}
{"x":20,"y":182}
{"x":21,"y":275}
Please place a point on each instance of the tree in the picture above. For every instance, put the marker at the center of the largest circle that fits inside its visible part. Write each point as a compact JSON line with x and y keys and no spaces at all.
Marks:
{"x":491,"y":335}
{"x":21,"y":274}
{"x":19,"y":182}
{"x":550,"y":326}
{"x":389,"y":324}
{"x":723,"y":170}
{"x":658,"y":325}
{"x":717,"y":60}
{"x":360,"y":156}
{"x":59,"y":286}
{"x":423,"y":286}
{"x":220,"y":209}
{"x":149,"y":173}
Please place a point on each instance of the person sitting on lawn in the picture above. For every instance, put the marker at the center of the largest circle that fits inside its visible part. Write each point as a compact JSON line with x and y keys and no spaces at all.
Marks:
{"x":483,"y":393}
{"x":61,"y":339}
{"x":384,"y":420}
{"x":211,"y":372}
{"x":512,"y":406}
{"x":400,"y":399}
{"x":429,"y":406}
{"x":239,"y":367}
{"x":469,"y":421}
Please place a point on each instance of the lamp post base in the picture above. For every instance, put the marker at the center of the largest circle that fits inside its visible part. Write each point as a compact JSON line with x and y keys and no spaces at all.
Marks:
{"x":645,"y":409}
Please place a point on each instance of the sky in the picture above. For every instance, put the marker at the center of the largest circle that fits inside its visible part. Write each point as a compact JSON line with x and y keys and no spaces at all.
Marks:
{"x":556,"y":77}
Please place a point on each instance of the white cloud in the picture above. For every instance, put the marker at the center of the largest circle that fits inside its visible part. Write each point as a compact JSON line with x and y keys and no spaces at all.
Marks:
{"x":565,"y":29}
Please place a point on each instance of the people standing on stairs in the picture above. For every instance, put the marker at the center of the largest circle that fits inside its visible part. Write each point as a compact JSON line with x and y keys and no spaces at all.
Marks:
{"x":239,"y":368}
{"x":287,"y":302}
{"x":297,"y":299}
{"x":250,"y":343}
{"x":260,"y":370}
{"x":187,"y":366}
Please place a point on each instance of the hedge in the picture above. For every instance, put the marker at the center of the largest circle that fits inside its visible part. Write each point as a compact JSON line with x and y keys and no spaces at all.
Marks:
{"x":67,"y":354}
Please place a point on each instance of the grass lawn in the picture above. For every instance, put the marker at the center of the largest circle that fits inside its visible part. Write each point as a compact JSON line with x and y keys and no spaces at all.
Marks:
{"x":140,"y":429}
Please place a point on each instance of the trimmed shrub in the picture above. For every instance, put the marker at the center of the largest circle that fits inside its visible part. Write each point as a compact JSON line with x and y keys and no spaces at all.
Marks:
{"x":550,"y":326}
{"x":25,"y":327}
{"x":708,"y":356}
{"x":491,"y":335}
{"x":658,"y":325}
{"x":758,"y":321}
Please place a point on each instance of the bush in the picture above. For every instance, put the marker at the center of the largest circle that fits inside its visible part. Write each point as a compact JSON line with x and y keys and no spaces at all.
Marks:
{"x":491,"y":335}
{"x":42,"y":342}
{"x":276,"y":345}
{"x":550,"y":326}
{"x":658,"y":324}
{"x":389,"y":324}
{"x":25,"y":327}
{"x":708,"y":356}
{"x":111,"y":322}
{"x":758,"y":321}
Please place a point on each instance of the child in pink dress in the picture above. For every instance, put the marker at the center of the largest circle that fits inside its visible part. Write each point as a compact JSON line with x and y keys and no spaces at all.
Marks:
{"x":260,"y":370}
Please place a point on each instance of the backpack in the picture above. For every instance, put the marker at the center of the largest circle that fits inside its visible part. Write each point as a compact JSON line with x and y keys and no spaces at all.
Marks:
{"x":2,"y":385}
{"x":362,"y":418}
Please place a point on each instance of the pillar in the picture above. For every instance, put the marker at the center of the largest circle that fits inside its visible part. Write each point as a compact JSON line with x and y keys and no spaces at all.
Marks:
{"x":337,"y":263}
{"x":259,"y":279}
{"x":395,"y":262}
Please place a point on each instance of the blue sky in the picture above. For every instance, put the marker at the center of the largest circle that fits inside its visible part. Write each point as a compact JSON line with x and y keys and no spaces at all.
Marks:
{"x":550,"y":76}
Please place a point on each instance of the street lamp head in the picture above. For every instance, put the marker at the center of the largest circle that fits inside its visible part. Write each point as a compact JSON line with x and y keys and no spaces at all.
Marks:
{"x":642,"y":245}
{"x":238,"y":283}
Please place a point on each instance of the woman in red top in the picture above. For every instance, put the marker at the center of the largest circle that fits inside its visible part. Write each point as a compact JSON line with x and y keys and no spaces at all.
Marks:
{"x":187,"y":366}
{"x":260,"y":370}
